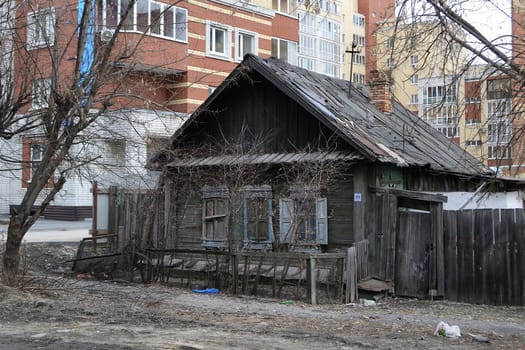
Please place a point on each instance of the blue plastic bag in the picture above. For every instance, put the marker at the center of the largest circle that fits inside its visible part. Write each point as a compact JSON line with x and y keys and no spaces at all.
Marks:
{"x":206,"y":291}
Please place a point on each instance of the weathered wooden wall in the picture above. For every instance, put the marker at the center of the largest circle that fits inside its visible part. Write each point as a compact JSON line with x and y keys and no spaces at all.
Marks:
{"x":485,"y":256}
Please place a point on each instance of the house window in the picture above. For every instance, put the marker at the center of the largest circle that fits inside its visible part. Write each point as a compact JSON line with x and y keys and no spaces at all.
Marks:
{"x":257,"y":216}
{"x":215,"y":216}
{"x":146,"y":16}
{"x":245,"y":43}
{"x":114,"y":153}
{"x":218,"y":40}
{"x":41,"y":93}
{"x":414,"y":99}
{"x":414,"y":79}
{"x":33,"y":151}
{"x":390,"y":63}
{"x":288,"y":7}
{"x":303,"y":218}
{"x":41,"y":28}
{"x":390,"y":43}
{"x":37,"y":154}
{"x":284,"y":50}
{"x":155,"y":144}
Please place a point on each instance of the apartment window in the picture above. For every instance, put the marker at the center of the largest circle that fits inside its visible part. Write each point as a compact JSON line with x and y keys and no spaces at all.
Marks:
{"x":359,"y":20}
{"x":328,"y":29}
{"x":41,"y":93}
{"x":390,"y":43}
{"x":284,"y":50}
{"x":498,"y":109}
{"x":303,"y":218}
{"x":473,"y":143}
{"x":414,"y":99}
{"x":390,"y":63}
{"x":307,"y":22}
{"x":498,"y":89}
{"x":218,"y":40}
{"x":146,"y":16}
{"x":288,"y":7}
{"x":439,"y":94}
{"x":307,"y":45}
{"x":307,"y":63}
{"x":41,"y":28}
{"x":358,"y":78}
{"x":245,"y":43}
{"x":414,"y":60}
{"x":414,"y":79}
{"x":444,"y":119}
{"x":359,"y":40}
{"x":473,"y":121}
{"x":499,"y":152}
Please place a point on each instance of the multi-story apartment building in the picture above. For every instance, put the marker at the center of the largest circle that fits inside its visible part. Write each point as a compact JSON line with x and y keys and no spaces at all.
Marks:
{"x":167,"y":59}
{"x":320,"y":36}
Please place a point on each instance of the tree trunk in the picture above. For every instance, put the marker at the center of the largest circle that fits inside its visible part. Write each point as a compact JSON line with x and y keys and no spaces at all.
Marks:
{"x":12,"y":252}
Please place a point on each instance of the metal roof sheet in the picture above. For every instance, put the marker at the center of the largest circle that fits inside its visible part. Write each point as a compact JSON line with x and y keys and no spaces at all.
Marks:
{"x":267,"y":158}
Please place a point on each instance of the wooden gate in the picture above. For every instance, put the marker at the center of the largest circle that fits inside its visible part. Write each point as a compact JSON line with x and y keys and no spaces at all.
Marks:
{"x":412,"y":253}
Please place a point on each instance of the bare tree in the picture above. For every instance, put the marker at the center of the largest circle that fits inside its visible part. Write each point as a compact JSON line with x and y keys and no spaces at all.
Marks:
{"x":61,"y":79}
{"x":448,"y":48}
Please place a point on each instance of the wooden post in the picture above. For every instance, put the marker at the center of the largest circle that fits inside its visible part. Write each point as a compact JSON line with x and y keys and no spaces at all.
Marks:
{"x":351,"y":276}
{"x":95,"y":214}
{"x":313,"y":281}
{"x":235,"y":271}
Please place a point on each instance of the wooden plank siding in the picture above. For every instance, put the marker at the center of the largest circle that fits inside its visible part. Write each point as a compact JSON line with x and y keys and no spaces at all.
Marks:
{"x":340,"y":203}
{"x":285,"y":126}
{"x":485,"y":256}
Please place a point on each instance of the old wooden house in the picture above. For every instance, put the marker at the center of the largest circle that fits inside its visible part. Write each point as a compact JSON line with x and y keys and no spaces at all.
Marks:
{"x":280,"y":158}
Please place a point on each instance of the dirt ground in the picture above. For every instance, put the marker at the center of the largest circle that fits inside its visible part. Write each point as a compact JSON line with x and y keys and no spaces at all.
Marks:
{"x":56,"y":311}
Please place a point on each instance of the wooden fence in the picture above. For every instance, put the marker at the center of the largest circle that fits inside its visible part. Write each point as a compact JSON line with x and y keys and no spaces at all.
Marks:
{"x":314,"y":278}
{"x":485,"y":256}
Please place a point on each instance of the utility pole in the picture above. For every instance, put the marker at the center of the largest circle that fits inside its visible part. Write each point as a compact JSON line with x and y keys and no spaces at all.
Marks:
{"x":351,"y":52}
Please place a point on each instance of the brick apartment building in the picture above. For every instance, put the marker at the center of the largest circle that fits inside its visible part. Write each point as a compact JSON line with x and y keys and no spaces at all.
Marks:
{"x":167,"y":58}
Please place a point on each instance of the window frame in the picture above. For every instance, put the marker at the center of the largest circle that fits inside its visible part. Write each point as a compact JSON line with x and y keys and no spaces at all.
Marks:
{"x":263,"y":193}
{"x":215,"y":194}
{"x":295,"y":58}
{"x":289,"y":217}
{"x":291,"y":7}
{"x":39,"y":36}
{"x":239,"y":33}
{"x":29,"y":164}
{"x":131,"y":22}
{"x":211,"y":29}
{"x":40,"y":94}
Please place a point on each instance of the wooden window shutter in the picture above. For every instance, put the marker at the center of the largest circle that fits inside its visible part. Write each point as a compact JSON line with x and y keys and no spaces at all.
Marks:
{"x":285,"y":219}
{"x":321,"y":221}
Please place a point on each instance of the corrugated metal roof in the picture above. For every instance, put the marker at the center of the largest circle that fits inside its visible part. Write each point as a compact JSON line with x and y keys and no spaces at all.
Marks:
{"x":399,"y":138}
{"x":267,"y":158}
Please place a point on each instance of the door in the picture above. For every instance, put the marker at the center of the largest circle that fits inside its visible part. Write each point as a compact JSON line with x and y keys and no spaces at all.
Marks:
{"x":413,"y":239}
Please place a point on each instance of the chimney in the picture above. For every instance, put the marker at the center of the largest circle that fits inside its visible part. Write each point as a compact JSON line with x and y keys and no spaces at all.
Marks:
{"x":380,"y":91}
